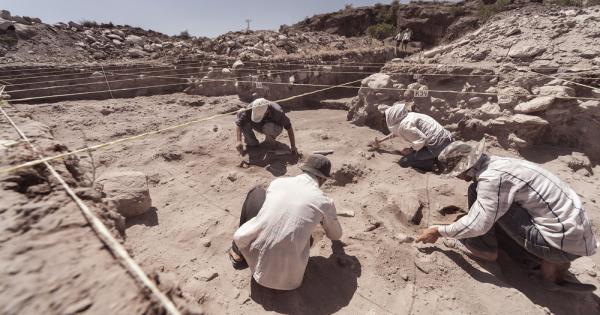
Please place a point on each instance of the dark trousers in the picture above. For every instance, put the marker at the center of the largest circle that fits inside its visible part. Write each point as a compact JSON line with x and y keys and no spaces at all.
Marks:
{"x":422,"y":160}
{"x":254,"y":201}
{"x":252,"y":205}
{"x":517,"y":224}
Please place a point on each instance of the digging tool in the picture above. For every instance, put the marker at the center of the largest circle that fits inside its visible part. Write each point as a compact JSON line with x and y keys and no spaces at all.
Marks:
{"x":323,"y":152}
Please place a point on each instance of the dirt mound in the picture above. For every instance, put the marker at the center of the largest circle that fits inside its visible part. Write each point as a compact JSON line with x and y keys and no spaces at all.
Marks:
{"x":31,"y":40}
{"x":51,"y":259}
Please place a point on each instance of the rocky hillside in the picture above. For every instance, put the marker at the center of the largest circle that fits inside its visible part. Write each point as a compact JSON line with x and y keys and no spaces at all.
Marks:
{"x":256,"y":44}
{"x":431,"y":22}
{"x":528,"y":76}
{"x":24,"y":39}
{"x":543,"y":37}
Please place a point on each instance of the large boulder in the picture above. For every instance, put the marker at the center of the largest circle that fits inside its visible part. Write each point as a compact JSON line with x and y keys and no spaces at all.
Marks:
{"x":372,"y":100}
{"x":537,"y":104}
{"x":136,"y":53}
{"x":133,"y":40}
{"x":128,"y":190}
{"x":526,"y":51}
{"x":555,"y":90}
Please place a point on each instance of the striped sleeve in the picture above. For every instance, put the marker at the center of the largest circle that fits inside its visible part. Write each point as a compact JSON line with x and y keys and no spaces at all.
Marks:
{"x":495,"y":195}
{"x":413,"y":135}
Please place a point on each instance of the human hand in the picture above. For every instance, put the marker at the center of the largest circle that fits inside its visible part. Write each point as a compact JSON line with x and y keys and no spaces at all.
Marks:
{"x":240,"y":148}
{"x":294,"y":150}
{"x":375,"y":143}
{"x":428,"y":235}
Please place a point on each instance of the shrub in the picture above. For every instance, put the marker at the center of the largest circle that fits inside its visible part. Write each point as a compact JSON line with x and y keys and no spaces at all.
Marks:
{"x":88,"y":23}
{"x":381,"y":30}
{"x":457,"y":11}
{"x":486,"y":11}
{"x":107,"y":25}
{"x":348,"y":7}
{"x":185,"y":35}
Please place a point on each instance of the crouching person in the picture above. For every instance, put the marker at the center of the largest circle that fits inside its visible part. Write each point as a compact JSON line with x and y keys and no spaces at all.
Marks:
{"x":274,"y":240}
{"x":532,"y":206}
{"x":425,"y":136}
{"x":265,"y":117}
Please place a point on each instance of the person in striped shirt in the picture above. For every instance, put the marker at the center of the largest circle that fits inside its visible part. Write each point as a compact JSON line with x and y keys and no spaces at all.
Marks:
{"x":531,"y":205}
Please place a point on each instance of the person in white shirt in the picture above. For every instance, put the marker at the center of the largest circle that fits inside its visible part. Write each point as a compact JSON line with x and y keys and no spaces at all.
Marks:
{"x":275,"y":240}
{"x":528,"y":203}
{"x":425,"y":137}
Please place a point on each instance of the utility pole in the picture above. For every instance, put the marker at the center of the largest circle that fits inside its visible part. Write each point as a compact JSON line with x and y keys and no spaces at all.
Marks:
{"x":248,"y":25}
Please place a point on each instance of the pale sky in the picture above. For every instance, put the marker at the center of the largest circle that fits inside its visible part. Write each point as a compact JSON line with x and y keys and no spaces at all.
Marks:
{"x":199,"y":17}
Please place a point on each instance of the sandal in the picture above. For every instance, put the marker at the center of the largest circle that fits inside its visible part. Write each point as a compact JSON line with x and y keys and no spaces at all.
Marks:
{"x":238,"y":262}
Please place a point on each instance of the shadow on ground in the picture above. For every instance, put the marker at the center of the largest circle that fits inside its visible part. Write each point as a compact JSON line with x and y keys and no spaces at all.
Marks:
{"x":511,"y":270}
{"x":274,"y":158}
{"x":150,"y":218}
{"x":329,"y":285}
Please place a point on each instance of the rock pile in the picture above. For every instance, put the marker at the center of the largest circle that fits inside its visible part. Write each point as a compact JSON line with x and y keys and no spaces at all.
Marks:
{"x":544,"y":37}
{"x":24,"y":39}
{"x":257,"y":44}
{"x":519,"y":109}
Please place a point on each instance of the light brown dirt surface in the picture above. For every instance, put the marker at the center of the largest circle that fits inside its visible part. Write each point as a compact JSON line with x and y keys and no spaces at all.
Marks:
{"x":197,"y":189}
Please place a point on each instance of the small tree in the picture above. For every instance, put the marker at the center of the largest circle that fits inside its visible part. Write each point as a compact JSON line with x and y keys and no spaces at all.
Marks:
{"x":184,"y":35}
{"x":381,"y":30}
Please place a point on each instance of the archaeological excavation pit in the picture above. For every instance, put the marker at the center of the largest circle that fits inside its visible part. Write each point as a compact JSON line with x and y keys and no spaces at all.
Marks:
{"x":143,"y":133}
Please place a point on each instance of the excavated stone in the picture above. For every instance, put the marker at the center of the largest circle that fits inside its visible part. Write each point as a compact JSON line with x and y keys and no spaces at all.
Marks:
{"x":538,"y":104}
{"x":555,"y":90}
{"x":526,"y":51}
{"x":128,"y":190}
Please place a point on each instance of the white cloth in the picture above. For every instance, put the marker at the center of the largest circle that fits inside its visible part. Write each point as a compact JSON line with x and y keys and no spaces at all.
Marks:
{"x":275,"y":243}
{"x":394,"y":115}
{"x":259,"y":109}
{"x":420,"y":130}
{"x":555,"y":208}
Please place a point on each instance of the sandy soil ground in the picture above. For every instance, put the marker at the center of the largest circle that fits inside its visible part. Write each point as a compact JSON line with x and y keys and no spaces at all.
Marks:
{"x":197,"y":189}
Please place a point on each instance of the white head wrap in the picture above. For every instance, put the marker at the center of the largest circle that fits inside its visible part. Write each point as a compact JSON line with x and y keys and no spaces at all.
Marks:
{"x":394,"y":115}
{"x":259,"y":109}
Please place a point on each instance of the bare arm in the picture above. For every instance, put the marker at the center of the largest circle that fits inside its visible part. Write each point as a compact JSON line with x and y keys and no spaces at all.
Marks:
{"x":390,"y":136}
{"x":239,"y":145}
{"x":238,"y":132}
{"x":292,"y":137}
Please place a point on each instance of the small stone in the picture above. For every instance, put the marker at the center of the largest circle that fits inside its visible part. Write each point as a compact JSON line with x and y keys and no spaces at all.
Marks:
{"x":346,"y":213}
{"x":206,"y":275}
{"x":233,"y":176}
{"x":79,"y":307}
{"x":373,"y":225}
{"x":206,"y":243}
{"x":403,"y":238}
{"x":404,"y":276}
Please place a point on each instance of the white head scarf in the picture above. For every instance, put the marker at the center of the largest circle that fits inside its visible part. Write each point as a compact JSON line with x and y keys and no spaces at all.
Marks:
{"x":394,"y":115}
{"x":259,"y":109}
